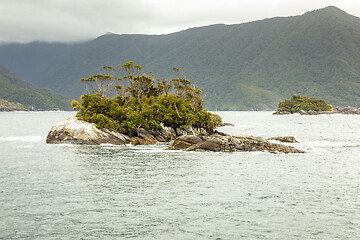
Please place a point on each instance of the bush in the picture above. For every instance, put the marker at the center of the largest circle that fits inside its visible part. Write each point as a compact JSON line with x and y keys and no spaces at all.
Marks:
{"x":147,"y":105}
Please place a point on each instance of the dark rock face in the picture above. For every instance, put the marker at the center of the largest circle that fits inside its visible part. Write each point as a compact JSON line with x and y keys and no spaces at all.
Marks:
{"x":141,"y":141}
{"x":144,"y":137}
{"x":149,"y":137}
{"x":236,"y":143}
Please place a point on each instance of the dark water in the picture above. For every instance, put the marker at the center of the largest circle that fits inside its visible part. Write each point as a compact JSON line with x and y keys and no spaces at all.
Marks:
{"x":120,"y":192}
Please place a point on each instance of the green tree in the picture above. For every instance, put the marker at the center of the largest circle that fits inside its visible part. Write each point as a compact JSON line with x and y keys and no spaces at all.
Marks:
{"x":142,"y":103}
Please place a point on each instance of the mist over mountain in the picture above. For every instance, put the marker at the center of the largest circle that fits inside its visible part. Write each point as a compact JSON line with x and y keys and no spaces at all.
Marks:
{"x":245,"y":66}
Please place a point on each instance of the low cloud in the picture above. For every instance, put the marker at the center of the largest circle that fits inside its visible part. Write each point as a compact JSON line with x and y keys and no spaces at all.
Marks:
{"x":68,"y":20}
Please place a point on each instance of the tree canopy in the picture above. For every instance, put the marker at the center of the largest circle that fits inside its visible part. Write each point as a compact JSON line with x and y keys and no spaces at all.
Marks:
{"x":135,"y":99}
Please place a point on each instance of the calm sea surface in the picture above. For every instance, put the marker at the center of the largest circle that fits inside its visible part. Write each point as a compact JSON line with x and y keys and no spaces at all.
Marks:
{"x":146,"y":192}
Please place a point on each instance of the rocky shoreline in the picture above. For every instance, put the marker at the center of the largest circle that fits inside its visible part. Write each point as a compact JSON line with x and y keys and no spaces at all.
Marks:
{"x":337,"y":110}
{"x":227,"y":143}
{"x":75,"y":131}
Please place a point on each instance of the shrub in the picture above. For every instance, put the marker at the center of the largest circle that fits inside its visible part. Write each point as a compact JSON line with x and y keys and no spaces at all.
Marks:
{"x":146,"y":105}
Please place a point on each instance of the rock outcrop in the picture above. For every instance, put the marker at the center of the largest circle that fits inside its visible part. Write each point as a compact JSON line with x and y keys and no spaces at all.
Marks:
{"x":282,"y":113}
{"x":287,"y":139}
{"x":347,"y":110}
{"x":227,"y":143}
{"x":75,"y":131}
{"x":226,"y":125}
{"x":148,"y":137}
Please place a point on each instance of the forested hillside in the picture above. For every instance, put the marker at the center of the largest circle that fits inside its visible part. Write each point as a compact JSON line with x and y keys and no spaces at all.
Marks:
{"x":16,"y":90}
{"x":244,"y":66}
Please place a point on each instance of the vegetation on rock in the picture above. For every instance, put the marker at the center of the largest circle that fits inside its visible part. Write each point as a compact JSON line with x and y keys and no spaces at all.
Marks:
{"x":300,"y":103}
{"x":136,"y":100}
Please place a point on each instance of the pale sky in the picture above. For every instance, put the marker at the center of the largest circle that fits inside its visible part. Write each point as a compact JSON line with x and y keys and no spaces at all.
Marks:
{"x":77,"y":20}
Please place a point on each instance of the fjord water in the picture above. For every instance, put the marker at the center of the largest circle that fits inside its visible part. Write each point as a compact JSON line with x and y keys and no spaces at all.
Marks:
{"x":146,"y":192}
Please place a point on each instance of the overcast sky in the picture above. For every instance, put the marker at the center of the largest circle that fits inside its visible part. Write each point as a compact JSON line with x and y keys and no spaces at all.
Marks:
{"x":77,"y":20}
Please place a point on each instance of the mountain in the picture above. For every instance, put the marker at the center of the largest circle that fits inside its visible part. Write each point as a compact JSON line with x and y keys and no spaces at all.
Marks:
{"x":244,"y":66}
{"x":16,"y":90}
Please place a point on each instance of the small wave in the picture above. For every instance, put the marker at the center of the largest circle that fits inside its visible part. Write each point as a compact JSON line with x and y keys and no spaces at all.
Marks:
{"x":324,"y":143}
{"x":149,"y":148}
{"x":64,"y":145}
{"x":20,"y":147}
{"x":153,"y":150}
{"x":112,"y":146}
{"x":23,"y":139}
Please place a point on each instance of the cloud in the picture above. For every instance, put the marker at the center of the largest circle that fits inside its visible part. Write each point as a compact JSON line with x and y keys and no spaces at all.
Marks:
{"x":69,"y":20}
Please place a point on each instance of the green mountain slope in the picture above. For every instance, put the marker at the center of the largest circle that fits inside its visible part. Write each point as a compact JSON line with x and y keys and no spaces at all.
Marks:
{"x":243,"y":66}
{"x":16,"y":90}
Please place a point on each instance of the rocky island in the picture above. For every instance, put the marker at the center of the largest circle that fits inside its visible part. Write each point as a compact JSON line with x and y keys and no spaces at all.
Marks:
{"x":144,"y":112}
{"x":311,"y":106}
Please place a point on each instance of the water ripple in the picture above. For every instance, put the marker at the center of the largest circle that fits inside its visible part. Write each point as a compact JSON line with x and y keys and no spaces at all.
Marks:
{"x":146,"y":192}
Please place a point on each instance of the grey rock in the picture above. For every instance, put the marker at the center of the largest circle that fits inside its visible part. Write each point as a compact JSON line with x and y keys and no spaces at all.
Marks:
{"x":281,"y":113}
{"x":287,"y":139}
{"x":180,"y":132}
{"x":226,"y":125}
{"x":190,"y":139}
{"x":145,"y":137}
{"x":75,"y":131}
{"x":226,"y":143}
{"x":211,"y":144}
{"x":191,"y":131}
{"x":167,"y":132}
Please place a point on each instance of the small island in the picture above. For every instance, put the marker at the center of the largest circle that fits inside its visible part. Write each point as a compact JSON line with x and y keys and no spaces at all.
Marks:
{"x":136,"y":109}
{"x":311,"y":106}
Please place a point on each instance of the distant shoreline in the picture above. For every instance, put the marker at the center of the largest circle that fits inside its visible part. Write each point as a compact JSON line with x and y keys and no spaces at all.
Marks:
{"x":13,"y":109}
{"x":9,"y":109}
